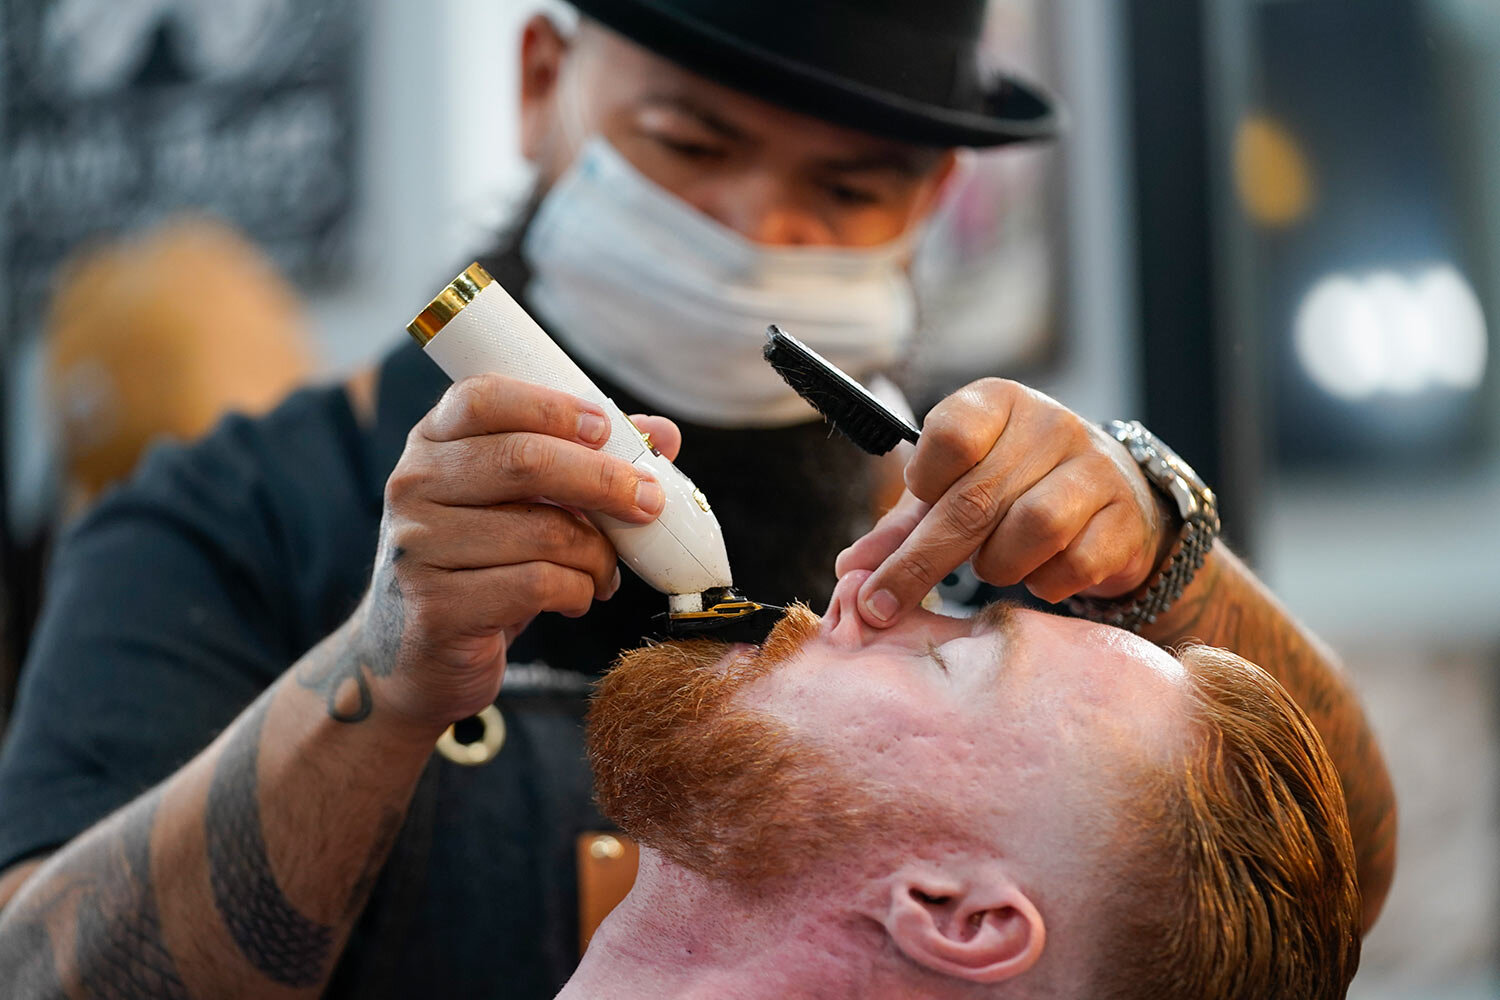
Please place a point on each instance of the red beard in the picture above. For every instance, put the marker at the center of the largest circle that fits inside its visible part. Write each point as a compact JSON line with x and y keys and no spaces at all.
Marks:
{"x":722,"y":790}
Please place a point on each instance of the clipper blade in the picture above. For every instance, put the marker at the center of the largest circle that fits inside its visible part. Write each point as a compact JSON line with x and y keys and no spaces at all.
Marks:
{"x":725,"y":615}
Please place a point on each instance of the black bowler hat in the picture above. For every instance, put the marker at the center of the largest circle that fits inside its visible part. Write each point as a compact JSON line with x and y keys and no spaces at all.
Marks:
{"x":902,"y":69}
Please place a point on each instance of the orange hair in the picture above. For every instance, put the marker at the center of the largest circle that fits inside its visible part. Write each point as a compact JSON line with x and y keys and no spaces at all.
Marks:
{"x":1243,"y":882}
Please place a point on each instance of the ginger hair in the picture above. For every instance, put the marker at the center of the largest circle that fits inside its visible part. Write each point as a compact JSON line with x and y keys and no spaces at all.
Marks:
{"x":1240,"y":874}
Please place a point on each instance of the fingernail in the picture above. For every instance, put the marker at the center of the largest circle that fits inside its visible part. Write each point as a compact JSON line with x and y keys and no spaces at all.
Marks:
{"x":649,"y":497}
{"x":882,"y":605}
{"x":592,"y":427}
{"x":614,"y":587}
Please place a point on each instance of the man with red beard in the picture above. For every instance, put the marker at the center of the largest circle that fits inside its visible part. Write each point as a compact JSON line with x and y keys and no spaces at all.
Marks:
{"x":1017,"y":805}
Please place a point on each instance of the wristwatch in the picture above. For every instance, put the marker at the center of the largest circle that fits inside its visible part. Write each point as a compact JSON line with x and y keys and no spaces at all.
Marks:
{"x":1199,"y":510}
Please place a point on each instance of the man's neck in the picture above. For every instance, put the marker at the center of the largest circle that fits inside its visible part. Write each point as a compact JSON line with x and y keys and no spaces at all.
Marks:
{"x":679,"y":937}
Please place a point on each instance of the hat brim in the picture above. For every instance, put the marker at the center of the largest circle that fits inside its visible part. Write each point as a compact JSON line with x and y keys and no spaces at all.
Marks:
{"x":1012,"y":111}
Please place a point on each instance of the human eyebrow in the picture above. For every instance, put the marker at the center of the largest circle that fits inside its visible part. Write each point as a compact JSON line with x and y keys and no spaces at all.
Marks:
{"x":997,"y":616}
{"x":936,"y":656}
{"x":998,"y":619}
{"x":720,"y":126}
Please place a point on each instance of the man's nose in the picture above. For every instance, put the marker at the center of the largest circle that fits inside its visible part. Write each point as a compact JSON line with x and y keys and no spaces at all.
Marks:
{"x":762,"y":209}
{"x":842,"y":624}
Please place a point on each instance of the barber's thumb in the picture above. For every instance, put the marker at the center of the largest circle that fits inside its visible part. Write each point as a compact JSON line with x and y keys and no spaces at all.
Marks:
{"x":666,"y":437}
{"x":893,"y":590}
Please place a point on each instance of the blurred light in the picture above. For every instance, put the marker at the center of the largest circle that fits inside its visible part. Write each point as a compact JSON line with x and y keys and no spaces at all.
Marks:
{"x":1271,"y":173}
{"x":1386,"y":333}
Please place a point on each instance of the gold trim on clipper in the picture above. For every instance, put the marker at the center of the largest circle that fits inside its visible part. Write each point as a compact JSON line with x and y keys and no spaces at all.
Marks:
{"x":453,"y":300}
{"x":723,"y":611}
{"x":695,"y":613}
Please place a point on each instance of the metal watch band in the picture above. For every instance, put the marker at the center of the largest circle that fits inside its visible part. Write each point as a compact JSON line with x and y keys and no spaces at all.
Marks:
{"x":1199,"y":510}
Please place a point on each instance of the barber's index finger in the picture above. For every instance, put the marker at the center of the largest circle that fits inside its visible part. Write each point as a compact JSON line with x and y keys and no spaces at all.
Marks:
{"x":945,"y":537}
{"x":498,"y":404}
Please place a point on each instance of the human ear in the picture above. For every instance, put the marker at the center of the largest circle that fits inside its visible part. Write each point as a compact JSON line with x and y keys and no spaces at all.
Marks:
{"x":984,"y":930}
{"x":935,"y":184}
{"x":544,"y":49}
{"x":947,"y":170}
{"x":932,"y":188}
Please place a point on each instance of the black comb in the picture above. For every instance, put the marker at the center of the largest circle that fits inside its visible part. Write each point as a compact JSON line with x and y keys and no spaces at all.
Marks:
{"x":844,"y":403}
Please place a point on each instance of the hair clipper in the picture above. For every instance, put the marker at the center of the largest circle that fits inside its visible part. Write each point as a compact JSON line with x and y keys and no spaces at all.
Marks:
{"x":475,"y":327}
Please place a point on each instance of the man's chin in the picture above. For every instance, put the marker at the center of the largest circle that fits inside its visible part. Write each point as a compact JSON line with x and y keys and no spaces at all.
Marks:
{"x":683,"y":766}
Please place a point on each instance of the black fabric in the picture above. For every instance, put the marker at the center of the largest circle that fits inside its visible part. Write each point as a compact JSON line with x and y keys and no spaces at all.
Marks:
{"x":907,"y":71}
{"x":189,"y":591}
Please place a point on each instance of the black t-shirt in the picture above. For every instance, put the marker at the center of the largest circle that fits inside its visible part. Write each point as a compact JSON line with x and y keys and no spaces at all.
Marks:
{"x":187,"y":592}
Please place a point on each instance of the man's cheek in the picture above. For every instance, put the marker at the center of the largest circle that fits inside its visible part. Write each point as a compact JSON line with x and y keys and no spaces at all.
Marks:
{"x":846,"y":711}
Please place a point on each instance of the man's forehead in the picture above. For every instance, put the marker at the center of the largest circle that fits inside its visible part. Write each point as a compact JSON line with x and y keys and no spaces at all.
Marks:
{"x":635,"y":75}
{"x":1112,"y":644}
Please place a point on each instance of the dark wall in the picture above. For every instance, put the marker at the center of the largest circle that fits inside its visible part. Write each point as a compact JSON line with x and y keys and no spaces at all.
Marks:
{"x":1185,"y":328}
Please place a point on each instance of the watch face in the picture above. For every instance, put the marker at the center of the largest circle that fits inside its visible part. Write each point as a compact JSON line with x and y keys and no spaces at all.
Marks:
{"x":1168,"y":472}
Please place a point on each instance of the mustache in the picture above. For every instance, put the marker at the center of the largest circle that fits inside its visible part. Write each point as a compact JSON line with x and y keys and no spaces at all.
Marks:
{"x":720,"y":790}
{"x":662,"y":689}
{"x":797,"y":627}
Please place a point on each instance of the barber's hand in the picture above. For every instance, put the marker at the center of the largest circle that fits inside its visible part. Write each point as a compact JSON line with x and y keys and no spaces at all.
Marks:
{"x":479,"y":536}
{"x":1024,"y":488}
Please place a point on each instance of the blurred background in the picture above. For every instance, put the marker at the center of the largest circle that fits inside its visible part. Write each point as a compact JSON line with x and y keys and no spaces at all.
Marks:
{"x":1273,"y":234}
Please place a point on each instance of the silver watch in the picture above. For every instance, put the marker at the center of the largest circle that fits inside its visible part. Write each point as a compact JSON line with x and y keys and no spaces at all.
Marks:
{"x":1199,"y":510}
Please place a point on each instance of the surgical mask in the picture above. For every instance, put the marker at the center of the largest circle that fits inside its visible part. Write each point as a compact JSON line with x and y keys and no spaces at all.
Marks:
{"x":674,"y":306}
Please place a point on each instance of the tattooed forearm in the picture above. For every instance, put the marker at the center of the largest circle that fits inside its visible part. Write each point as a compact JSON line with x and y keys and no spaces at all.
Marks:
{"x":385,"y":839}
{"x":118,"y":952}
{"x":1226,"y":606}
{"x":339,"y":676}
{"x":119,"y":937}
{"x":278,"y":940}
{"x":27,"y":961}
{"x":285,"y":806}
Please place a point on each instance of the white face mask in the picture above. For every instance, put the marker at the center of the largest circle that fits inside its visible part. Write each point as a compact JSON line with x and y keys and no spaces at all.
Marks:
{"x":674,"y":306}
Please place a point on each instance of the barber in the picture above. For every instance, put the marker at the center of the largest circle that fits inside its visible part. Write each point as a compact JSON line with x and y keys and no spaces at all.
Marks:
{"x":220,"y":780}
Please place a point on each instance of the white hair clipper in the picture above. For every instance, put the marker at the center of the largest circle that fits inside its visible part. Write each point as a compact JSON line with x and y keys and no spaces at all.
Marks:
{"x":475,"y":327}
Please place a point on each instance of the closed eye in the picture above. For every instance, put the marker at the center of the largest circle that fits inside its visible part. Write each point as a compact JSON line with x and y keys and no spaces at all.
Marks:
{"x":936,"y":655}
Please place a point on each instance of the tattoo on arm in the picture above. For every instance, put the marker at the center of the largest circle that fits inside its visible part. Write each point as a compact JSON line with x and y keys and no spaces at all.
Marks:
{"x":283,"y":943}
{"x":341,"y":679}
{"x":278,"y":940}
{"x":26,"y":958}
{"x":128,"y":956}
{"x":118,"y":949}
{"x":100,"y":898}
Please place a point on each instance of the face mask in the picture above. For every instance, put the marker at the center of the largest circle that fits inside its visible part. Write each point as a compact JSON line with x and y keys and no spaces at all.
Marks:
{"x":674,"y":306}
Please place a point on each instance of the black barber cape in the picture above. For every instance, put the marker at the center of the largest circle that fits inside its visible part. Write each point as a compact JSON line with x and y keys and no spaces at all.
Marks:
{"x":189,"y":591}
